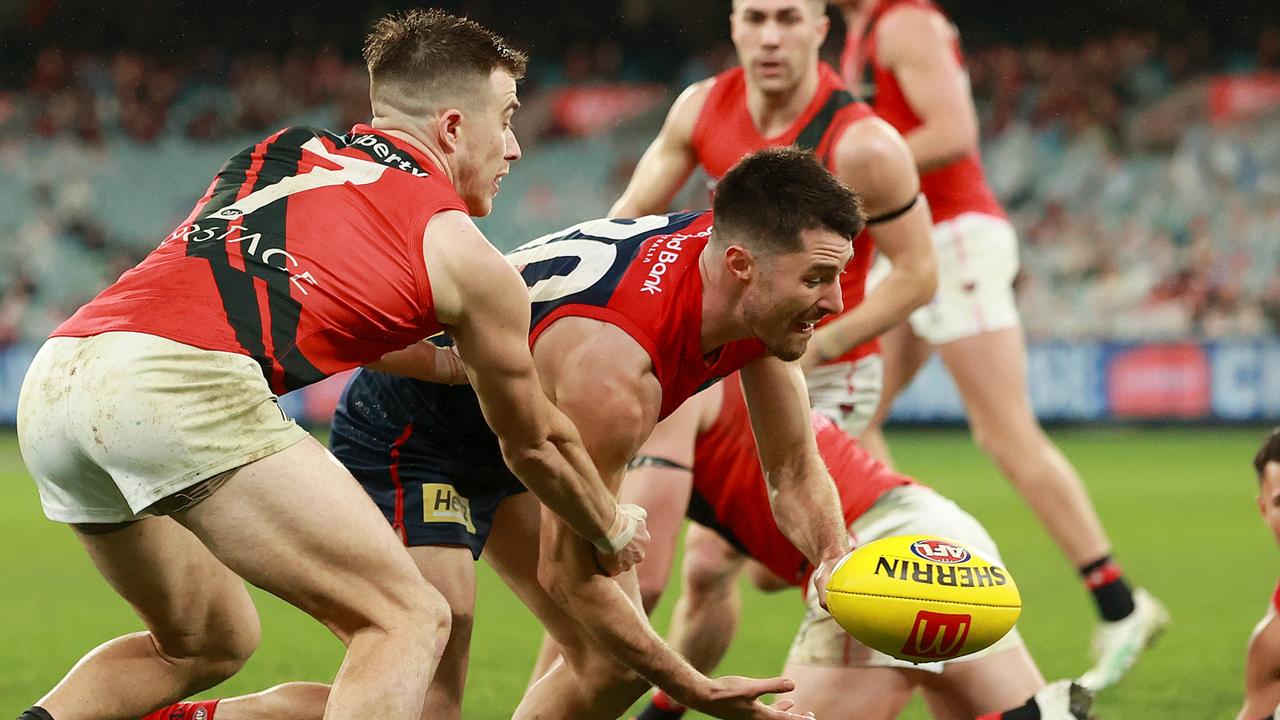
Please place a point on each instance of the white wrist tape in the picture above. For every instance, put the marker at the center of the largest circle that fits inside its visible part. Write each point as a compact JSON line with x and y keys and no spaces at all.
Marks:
{"x":625,"y":523}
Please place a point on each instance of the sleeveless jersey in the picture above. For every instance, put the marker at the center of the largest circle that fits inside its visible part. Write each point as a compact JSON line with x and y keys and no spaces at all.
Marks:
{"x":642,"y":276}
{"x":729,"y":493}
{"x":724,"y":132}
{"x":304,"y":254}
{"x":952,"y":189}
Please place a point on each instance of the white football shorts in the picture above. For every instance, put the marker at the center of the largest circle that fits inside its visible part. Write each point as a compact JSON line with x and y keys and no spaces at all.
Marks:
{"x":977,"y":262}
{"x":110,"y":424}
{"x":848,"y":392}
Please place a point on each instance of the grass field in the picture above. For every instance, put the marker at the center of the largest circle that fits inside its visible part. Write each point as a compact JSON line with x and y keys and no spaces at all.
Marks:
{"x":1178,"y":503}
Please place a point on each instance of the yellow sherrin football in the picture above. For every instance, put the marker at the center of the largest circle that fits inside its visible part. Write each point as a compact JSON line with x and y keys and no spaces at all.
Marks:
{"x":923,"y":599}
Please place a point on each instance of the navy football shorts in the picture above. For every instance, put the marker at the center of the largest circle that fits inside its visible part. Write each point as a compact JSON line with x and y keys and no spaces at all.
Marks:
{"x":425,"y":455}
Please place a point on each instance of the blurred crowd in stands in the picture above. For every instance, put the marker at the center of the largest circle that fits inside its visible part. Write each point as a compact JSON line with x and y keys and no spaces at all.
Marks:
{"x":1144,"y":212}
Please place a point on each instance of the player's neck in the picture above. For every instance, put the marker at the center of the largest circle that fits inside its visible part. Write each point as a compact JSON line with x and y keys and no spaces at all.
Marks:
{"x":773,"y":113}
{"x":436,"y":155}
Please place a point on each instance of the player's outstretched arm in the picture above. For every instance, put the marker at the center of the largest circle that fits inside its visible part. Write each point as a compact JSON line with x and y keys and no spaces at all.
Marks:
{"x":1262,"y":672}
{"x":805,"y":502}
{"x":604,"y":383}
{"x":486,"y":307}
{"x":666,"y":165}
{"x":915,"y":44}
{"x":873,"y":159}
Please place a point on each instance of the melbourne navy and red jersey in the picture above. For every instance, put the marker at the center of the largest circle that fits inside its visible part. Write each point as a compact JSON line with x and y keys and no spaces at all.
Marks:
{"x":724,"y":133}
{"x":952,"y":189}
{"x":642,"y":276}
{"x":730,"y":496}
{"x":305,"y":254}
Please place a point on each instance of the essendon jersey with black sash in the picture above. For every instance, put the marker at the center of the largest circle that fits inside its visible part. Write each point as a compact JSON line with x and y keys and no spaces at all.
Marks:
{"x":724,"y":133}
{"x":730,"y":495}
{"x":642,"y":276}
{"x":952,"y":189}
{"x":304,"y":254}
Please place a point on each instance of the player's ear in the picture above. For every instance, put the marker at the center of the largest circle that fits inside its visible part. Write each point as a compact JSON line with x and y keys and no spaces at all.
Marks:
{"x":824,"y":25}
{"x":1262,"y":508}
{"x":448,"y":129}
{"x":739,"y":262}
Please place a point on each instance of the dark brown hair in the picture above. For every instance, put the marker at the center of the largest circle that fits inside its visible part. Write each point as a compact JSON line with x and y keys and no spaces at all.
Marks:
{"x":765,"y":201}
{"x":428,"y":54}
{"x":1269,"y":452}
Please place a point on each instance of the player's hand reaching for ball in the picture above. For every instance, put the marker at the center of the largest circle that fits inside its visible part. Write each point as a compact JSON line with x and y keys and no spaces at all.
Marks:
{"x":733,"y":698}
{"x":627,"y":542}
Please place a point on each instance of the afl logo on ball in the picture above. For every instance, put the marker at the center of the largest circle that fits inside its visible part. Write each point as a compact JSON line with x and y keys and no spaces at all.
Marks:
{"x":940,"y":551}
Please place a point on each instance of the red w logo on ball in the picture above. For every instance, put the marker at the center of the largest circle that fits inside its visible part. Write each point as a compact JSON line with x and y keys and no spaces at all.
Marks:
{"x":937,"y":635}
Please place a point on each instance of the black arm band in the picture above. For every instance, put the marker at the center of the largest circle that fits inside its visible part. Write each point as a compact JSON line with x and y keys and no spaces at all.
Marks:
{"x":895,"y":214}
{"x":654,"y":461}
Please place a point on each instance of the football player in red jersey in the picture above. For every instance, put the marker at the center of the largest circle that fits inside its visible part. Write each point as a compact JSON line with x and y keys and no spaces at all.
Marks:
{"x":781,"y":94}
{"x":912,"y":58}
{"x":704,"y":454}
{"x":630,"y":318}
{"x":149,"y":419}
{"x":1262,"y":664}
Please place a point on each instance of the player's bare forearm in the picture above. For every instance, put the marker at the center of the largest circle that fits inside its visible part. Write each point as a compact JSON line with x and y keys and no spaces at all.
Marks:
{"x":934,"y":146}
{"x":567,"y":570}
{"x":807,"y":509}
{"x":801,"y":492}
{"x":424,"y":361}
{"x":566,"y":481}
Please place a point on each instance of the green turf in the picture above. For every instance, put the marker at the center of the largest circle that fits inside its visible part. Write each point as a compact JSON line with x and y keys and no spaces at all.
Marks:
{"x":1178,"y":503}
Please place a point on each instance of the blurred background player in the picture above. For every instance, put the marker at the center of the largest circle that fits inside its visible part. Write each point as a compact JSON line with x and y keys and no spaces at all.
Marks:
{"x":1262,"y":664}
{"x":150,"y":423}
{"x":911,"y":56}
{"x":780,"y":94}
{"x":709,"y":442}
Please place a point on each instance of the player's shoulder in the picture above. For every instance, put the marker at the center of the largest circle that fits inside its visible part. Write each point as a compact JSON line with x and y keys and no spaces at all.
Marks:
{"x":908,"y":24}
{"x":689,"y":103}
{"x":455,"y":253}
{"x":869,"y":142}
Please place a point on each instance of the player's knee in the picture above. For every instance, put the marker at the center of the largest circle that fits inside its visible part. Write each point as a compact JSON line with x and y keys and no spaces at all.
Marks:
{"x":708,"y":565}
{"x":212,"y":654}
{"x":413,"y":611}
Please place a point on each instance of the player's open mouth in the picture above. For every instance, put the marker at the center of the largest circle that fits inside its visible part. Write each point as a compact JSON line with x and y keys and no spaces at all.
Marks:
{"x":805,"y":328}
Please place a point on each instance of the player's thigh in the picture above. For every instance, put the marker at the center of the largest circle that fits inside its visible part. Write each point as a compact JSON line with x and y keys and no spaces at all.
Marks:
{"x":191,"y":603}
{"x":991,"y":683}
{"x":850,"y":693}
{"x":451,"y":571}
{"x":990,"y":373}
{"x":298,"y":525}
